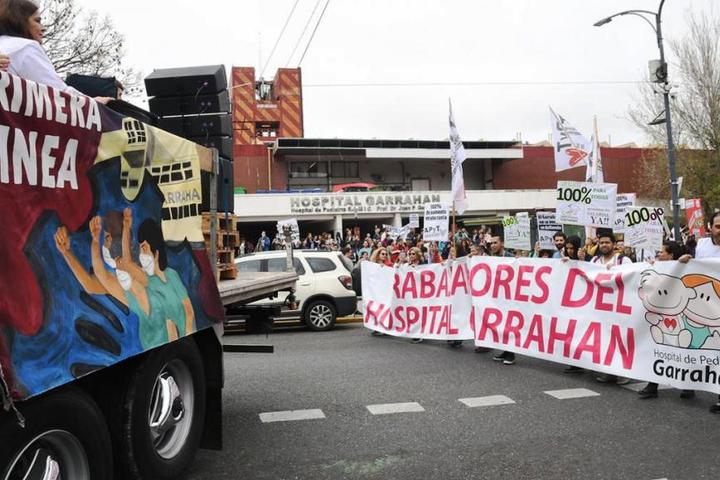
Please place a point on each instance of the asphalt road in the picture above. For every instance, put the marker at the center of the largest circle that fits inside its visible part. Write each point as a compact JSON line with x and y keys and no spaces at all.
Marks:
{"x":608,"y":433}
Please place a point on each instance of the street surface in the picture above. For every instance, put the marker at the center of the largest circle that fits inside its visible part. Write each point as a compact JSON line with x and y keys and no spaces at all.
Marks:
{"x":345,"y":404}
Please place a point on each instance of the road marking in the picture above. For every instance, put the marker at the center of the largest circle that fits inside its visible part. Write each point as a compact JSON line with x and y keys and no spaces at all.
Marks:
{"x":572,"y":393}
{"x":489,"y":401}
{"x":637,"y":386}
{"x":387,"y":408}
{"x":291,"y":415}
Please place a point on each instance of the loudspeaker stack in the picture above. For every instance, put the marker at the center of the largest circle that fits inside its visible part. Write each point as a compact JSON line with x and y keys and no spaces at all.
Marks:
{"x":194,"y":103}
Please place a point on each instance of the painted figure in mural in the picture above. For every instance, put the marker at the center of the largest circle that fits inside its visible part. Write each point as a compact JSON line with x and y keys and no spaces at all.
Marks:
{"x":164,"y":287}
{"x":111,"y":276}
{"x":151,"y":290}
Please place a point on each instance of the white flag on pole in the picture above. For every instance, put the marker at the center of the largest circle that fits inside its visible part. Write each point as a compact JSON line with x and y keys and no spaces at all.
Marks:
{"x":571,"y":148}
{"x":594,"y":172}
{"x":457,"y":157}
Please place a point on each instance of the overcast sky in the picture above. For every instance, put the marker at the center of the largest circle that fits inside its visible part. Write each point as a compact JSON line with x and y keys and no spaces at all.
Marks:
{"x":513,"y":51}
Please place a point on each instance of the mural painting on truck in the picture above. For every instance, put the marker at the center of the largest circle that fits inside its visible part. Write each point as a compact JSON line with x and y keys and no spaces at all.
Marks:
{"x":102,"y":256}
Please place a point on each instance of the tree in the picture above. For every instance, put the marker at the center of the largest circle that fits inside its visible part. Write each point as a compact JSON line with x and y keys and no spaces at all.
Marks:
{"x":695,"y":110}
{"x":81,"y":42}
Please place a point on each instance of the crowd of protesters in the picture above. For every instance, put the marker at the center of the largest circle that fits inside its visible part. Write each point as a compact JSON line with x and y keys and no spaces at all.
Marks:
{"x":603,"y":248}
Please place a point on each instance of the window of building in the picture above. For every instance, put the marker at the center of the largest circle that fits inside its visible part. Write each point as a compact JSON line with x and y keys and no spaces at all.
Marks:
{"x":267,"y":129}
{"x":308,"y":169}
{"x":318,"y":264}
{"x":345,"y":169}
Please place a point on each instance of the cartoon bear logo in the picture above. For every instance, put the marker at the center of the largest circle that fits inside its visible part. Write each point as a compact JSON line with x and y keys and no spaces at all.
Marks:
{"x":665,"y":298}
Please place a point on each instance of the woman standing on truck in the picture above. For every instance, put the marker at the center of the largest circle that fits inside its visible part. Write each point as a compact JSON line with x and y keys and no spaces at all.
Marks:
{"x":21,"y":33}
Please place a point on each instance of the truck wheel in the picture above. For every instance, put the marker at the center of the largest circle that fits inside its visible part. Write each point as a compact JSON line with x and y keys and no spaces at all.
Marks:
{"x":320,"y":315}
{"x":164,"y":412}
{"x":65,"y":433}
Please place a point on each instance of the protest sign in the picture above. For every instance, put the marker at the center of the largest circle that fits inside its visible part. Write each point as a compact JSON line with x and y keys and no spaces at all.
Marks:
{"x":695,"y":217}
{"x":631,"y":320}
{"x":547,"y":227}
{"x":516,"y":231}
{"x":414,"y":220}
{"x":436,"y":221}
{"x":644,"y":227}
{"x":588,"y":204}
{"x":294,"y":228}
{"x":624,"y":200}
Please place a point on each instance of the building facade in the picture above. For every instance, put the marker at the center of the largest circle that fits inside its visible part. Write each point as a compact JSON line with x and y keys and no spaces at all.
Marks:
{"x":286,"y":175}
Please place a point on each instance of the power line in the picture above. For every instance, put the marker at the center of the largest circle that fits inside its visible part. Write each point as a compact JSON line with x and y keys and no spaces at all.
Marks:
{"x":475,"y":84}
{"x":313,"y":33}
{"x":292,"y":10}
{"x":302,"y":34}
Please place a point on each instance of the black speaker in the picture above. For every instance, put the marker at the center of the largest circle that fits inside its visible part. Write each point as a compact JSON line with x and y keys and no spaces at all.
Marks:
{"x":225,"y":187}
{"x":191,"y":105}
{"x":191,"y":81}
{"x":198,"y":126}
{"x":223,"y":144}
{"x":93,"y":86}
{"x":130,"y":110}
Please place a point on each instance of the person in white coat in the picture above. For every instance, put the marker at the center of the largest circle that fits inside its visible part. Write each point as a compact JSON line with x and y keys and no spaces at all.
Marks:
{"x":21,"y":35}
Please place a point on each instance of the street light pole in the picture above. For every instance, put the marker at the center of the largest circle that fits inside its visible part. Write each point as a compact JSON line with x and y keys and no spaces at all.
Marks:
{"x":674,"y":191}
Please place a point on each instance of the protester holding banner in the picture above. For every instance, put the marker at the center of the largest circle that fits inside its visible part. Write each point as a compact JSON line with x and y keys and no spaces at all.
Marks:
{"x":559,"y":238}
{"x":610,"y":258}
{"x":497,"y":249}
{"x":571,"y":248}
{"x":670,"y":251}
{"x":709,"y":247}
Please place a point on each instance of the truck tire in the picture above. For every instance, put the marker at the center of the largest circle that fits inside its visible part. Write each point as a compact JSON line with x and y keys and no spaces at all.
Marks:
{"x":163,"y":413}
{"x":320,"y":315}
{"x":65,"y":429}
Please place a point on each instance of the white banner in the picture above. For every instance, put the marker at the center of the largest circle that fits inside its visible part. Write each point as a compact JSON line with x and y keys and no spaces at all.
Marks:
{"x":516,"y":231}
{"x":658,"y":323}
{"x":414,"y":220}
{"x":436,"y":222}
{"x":624,"y":200}
{"x":571,"y":148}
{"x":644,"y":227}
{"x":457,"y":157}
{"x":588,"y":204}
{"x":547,"y":228}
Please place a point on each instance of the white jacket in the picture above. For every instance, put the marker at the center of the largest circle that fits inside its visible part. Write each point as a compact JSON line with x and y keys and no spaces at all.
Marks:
{"x":29,"y":61}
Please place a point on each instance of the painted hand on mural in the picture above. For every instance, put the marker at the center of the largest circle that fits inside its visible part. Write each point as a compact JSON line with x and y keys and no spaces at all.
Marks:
{"x":62,"y":241}
{"x":95,"y":228}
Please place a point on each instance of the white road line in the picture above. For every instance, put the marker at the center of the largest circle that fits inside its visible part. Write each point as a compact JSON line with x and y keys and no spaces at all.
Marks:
{"x":489,"y":401}
{"x":637,"y":386}
{"x":291,"y":415}
{"x":387,"y":408}
{"x":572,"y":393}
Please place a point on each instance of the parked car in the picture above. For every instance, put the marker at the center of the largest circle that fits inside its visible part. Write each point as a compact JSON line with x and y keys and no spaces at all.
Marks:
{"x":324,"y":287}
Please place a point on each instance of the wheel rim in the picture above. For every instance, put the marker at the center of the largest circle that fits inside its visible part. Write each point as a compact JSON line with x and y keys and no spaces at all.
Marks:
{"x":171,"y":409}
{"x":320,"y":315}
{"x":55,"y":454}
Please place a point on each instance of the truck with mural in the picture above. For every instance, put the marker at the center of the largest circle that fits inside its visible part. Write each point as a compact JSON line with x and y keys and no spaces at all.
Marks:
{"x":110,"y":313}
